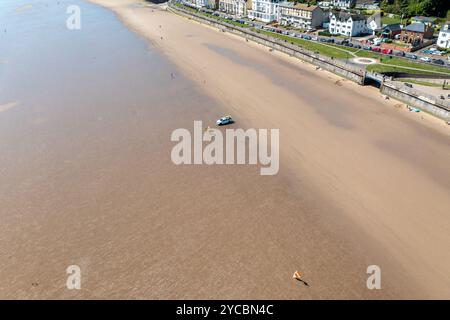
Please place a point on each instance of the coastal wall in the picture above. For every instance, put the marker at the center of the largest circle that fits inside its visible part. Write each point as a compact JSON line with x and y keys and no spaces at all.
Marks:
{"x":340,"y":68}
{"x":319,"y":61}
{"x":418,"y":100}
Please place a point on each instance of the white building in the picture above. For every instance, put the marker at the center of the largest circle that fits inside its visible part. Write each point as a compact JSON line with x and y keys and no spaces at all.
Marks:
{"x":443,"y":40}
{"x":234,"y":7}
{"x":367,"y":4}
{"x":374,"y":24}
{"x":265,"y":10}
{"x":347,"y":24}
{"x":198,"y":3}
{"x":342,"y":4}
{"x":301,"y":15}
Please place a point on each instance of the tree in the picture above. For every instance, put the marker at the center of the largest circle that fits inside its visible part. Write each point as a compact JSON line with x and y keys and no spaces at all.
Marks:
{"x":410,"y":8}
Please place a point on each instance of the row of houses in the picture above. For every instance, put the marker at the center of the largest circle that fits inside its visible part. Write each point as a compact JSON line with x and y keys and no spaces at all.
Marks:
{"x":297,"y":15}
{"x":307,"y":17}
{"x":418,"y":32}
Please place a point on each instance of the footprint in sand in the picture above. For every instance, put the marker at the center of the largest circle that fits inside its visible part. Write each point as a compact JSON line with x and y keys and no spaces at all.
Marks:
{"x":7,"y":106}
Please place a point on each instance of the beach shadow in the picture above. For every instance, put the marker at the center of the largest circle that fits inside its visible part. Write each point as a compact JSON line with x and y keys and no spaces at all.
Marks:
{"x":303,"y":281}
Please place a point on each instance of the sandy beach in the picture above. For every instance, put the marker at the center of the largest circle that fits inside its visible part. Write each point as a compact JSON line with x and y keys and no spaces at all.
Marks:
{"x":362,"y":182}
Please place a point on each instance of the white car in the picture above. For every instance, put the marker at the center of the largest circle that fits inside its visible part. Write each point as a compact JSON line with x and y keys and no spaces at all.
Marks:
{"x":224,"y":120}
{"x":377,"y":41}
{"x":425,"y":59}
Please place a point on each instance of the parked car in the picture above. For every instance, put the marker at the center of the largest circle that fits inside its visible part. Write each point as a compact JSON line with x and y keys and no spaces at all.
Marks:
{"x":425,"y":59}
{"x":409,"y":85}
{"x":438,"y":61}
{"x":306,"y":37}
{"x":377,"y":41}
{"x":411,"y":56}
{"x":357,"y":46}
{"x":314,"y":38}
{"x":376,"y":49}
{"x":399,"y":53}
{"x":433,"y":51}
{"x":337,"y":41}
{"x":386,"y":51}
{"x":367,"y":48}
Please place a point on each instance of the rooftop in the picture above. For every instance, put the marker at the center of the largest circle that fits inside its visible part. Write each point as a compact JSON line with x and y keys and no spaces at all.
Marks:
{"x":393,"y":27}
{"x":302,"y":6}
{"x":344,"y":16}
{"x":416,"y":27}
{"x":360,"y":2}
{"x":424,"y":19}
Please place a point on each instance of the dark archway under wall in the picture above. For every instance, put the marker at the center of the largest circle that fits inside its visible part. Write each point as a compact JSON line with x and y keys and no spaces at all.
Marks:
{"x":372,"y":82}
{"x":156,"y":1}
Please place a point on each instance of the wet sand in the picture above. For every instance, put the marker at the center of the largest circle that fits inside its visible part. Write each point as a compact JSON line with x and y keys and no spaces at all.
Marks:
{"x":361,"y":180}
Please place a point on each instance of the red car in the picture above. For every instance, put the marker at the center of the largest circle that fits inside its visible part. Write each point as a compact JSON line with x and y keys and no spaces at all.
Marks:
{"x":386,"y":51}
{"x":376,"y":49}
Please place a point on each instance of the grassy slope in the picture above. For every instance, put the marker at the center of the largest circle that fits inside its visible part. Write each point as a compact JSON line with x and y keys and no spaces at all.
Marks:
{"x":329,"y":51}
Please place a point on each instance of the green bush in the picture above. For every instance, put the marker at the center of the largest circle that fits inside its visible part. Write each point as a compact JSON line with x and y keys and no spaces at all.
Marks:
{"x":325,"y":33}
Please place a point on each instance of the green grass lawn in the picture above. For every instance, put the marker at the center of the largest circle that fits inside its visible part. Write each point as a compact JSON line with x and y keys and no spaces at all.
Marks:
{"x":405,"y":63}
{"x":329,"y":51}
{"x":428,"y":84}
{"x":387,"y":20}
{"x":368,"y":54}
{"x":385,"y":69}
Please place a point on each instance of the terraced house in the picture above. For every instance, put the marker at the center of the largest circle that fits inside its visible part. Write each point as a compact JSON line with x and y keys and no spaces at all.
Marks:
{"x":347,"y":24}
{"x":234,"y":7}
{"x":301,"y":15}
{"x":265,"y":10}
